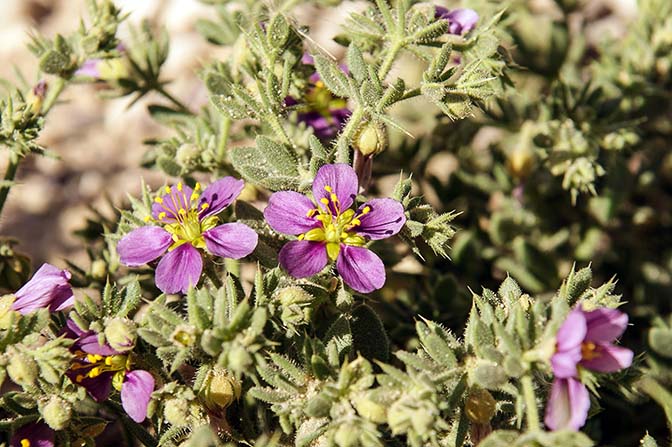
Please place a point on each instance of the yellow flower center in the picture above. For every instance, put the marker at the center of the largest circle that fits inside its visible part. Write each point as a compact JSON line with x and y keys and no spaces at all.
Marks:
{"x":589,"y":351}
{"x":320,"y":100}
{"x":337,"y":226}
{"x":188,"y":227}
{"x":100,"y":364}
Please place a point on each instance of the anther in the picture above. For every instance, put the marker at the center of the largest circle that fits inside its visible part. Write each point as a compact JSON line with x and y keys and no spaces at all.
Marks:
{"x":158,"y":200}
{"x":168,"y":190}
{"x":205,"y":206}
{"x":324,"y":200}
{"x":179,"y":186}
{"x":162,"y":215}
{"x":328,"y":188}
{"x":197,"y":187}
{"x":148,"y":218}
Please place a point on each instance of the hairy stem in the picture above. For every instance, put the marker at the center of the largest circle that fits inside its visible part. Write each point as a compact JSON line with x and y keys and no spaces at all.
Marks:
{"x":530,"y":403}
{"x":223,"y":138}
{"x":342,"y":144}
{"x":389,"y":59}
{"x":10,"y":174}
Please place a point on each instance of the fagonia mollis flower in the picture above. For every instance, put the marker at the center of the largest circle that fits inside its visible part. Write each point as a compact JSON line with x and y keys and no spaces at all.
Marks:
{"x":184,"y":223}
{"x":329,"y":229}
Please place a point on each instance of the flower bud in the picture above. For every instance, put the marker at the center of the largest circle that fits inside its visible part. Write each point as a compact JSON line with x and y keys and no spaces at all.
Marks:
{"x":56,"y":412}
{"x":220,"y":389}
{"x":120,"y":334}
{"x":36,"y":97}
{"x":371,"y":139}
{"x":98,"y":269}
{"x":369,"y":410}
{"x":22,"y":368}
{"x":346,"y":435}
{"x":113,"y":69}
{"x":184,"y":335}
{"x":187,"y":153}
{"x":293,"y":295}
{"x":6,"y":311}
{"x":480,"y":406}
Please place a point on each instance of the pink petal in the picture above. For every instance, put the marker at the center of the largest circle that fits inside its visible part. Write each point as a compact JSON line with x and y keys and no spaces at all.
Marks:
{"x":342,"y":180}
{"x":302,"y":259}
{"x":605,"y":325}
{"x":233,"y":240}
{"x":220,"y":194}
{"x":609,"y":358}
{"x":385,"y":218}
{"x":573,"y":331}
{"x":179,"y":269}
{"x":136,"y":392}
{"x":360,"y":268}
{"x":564,"y":363}
{"x":568,"y":405}
{"x":143,"y":245}
{"x":172,"y":203}
{"x":287,"y":213}
{"x":48,"y":288}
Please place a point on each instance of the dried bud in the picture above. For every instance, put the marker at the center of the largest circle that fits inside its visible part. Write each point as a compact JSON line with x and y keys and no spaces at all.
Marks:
{"x":371,"y":139}
{"x":22,"y":369}
{"x":56,"y":412}
{"x":120,"y":334}
{"x":220,"y":389}
{"x":480,"y":406}
{"x":36,"y":97}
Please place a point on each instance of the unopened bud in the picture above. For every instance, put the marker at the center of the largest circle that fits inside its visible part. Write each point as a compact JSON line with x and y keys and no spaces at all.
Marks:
{"x":113,"y":69}
{"x":187,"y":153}
{"x":220,"y":389}
{"x":184,"y":335}
{"x":56,"y":412}
{"x":98,"y":269}
{"x":6,"y":311}
{"x":371,"y":139}
{"x":370,"y":410}
{"x":22,"y":369}
{"x":36,"y":97}
{"x":480,"y":406}
{"x":120,"y":334}
{"x":293,"y":295}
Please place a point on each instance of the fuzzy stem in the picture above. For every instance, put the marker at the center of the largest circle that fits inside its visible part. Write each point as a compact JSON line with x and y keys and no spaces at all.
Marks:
{"x":389,"y":59}
{"x":211,"y":273}
{"x":530,"y":403}
{"x":342,"y":144}
{"x":10,"y":174}
{"x":223,"y":138}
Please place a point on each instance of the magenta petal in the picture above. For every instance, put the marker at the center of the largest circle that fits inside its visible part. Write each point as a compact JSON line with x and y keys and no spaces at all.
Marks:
{"x":609,"y":358}
{"x":89,"y":68}
{"x":136,"y":392}
{"x":90,"y":344}
{"x":360,"y":268}
{"x":605,"y":325}
{"x":219,"y":195}
{"x":172,"y":202}
{"x":461,"y":21}
{"x":573,"y":330}
{"x":38,"y":434}
{"x":287,"y":213}
{"x":179,"y":269}
{"x":233,"y":240}
{"x":143,"y":245}
{"x":341,"y":178}
{"x":568,"y":405}
{"x":302,"y":259}
{"x":564,"y":363}
{"x":385,"y":218}
{"x":48,"y":288}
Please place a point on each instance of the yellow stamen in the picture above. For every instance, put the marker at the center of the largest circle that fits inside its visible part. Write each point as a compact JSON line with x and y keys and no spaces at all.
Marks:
{"x":328,"y":188}
{"x":193,"y":197}
{"x":95,"y":372}
{"x":158,"y":200}
{"x":324,"y":201}
{"x":589,"y":351}
{"x":162,"y":215}
{"x":148,"y":218}
{"x":167,"y":189}
{"x":25,"y":442}
{"x":197,"y":187}
{"x":79,"y":378}
{"x":179,"y":186}
{"x":93,"y":358}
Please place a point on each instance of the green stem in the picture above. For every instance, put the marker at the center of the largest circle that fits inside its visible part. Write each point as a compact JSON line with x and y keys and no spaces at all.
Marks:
{"x":10,"y":174}
{"x":52,"y":95}
{"x":530,"y":403}
{"x":389,"y":59}
{"x":232,"y":266}
{"x":211,"y":273}
{"x":279,"y":130}
{"x":223,"y":138}
{"x":342,"y":145}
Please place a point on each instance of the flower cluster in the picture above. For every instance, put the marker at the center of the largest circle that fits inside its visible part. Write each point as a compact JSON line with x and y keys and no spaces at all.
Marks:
{"x":329,"y":230}
{"x":185,"y":221}
{"x":583,"y":341}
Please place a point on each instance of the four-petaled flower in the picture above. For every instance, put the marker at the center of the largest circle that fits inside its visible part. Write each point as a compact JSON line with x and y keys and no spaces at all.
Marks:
{"x":585,"y":340}
{"x":48,"y":288}
{"x":460,"y":21}
{"x":186,"y":221}
{"x":328,"y":229}
{"x":98,"y":368}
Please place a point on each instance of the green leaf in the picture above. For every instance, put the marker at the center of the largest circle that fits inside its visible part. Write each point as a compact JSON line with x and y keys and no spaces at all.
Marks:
{"x":368,"y":334}
{"x":269,"y":164}
{"x":332,"y":76}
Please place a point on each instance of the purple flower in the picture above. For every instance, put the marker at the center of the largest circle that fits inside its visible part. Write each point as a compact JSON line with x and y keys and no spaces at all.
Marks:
{"x":329,"y":230}
{"x":90,"y":68}
{"x":320,"y":110}
{"x":461,"y":20}
{"x":48,"y":288}
{"x":585,"y":339}
{"x":185,"y":221}
{"x":98,"y":368}
{"x":36,"y":434}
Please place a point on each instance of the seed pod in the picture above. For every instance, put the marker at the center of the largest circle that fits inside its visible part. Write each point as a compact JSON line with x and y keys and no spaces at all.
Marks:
{"x":22,"y":369}
{"x":371,"y":139}
{"x":56,"y":412}
{"x":121,"y":334}
{"x":220,"y":389}
{"x":480,"y":406}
